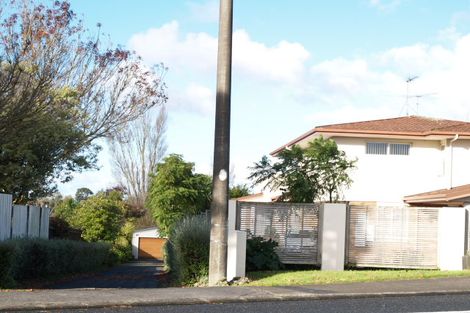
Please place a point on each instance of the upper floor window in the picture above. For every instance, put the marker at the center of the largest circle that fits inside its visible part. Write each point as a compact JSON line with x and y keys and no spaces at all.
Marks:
{"x":399,"y":149}
{"x":383,"y":148}
{"x":376,"y":148}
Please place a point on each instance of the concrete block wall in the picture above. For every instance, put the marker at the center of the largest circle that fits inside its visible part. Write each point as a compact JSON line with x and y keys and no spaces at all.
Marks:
{"x":452,"y":238}
{"x":333,"y":236}
{"x":236,"y":245}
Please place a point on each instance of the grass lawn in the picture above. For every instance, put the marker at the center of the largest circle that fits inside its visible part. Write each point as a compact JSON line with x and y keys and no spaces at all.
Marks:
{"x":310,"y":277}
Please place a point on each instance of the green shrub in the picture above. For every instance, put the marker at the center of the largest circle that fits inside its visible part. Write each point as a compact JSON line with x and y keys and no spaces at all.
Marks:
{"x":40,"y":258}
{"x":122,"y":245}
{"x":65,"y":209}
{"x":6,"y":259}
{"x":61,"y":229}
{"x":261,"y":254}
{"x":187,"y":251}
{"x":169,"y":256}
{"x":100,"y":217}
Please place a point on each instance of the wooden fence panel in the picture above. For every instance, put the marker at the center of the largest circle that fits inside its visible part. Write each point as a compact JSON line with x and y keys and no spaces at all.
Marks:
{"x":398,"y":237}
{"x":33,"y":221}
{"x":44,"y":233}
{"x":5,"y":216}
{"x":19,"y":223}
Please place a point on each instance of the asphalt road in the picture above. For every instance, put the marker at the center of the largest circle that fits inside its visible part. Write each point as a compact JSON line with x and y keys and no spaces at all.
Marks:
{"x":453,"y":303}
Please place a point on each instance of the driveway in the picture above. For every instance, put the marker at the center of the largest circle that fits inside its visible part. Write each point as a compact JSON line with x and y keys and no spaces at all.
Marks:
{"x":136,"y":274}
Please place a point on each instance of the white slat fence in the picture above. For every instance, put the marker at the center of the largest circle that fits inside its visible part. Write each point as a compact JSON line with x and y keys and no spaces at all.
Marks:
{"x":393,"y":236}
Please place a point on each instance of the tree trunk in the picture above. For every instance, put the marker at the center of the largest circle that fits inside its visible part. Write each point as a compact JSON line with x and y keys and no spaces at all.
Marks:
{"x":219,"y":205}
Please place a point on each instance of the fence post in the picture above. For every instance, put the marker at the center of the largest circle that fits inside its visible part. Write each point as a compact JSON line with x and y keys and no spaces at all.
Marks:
{"x":6,"y":205}
{"x":19,"y":222}
{"x":34,"y":221}
{"x":333,"y":236}
{"x":44,"y":223}
{"x":451,"y":238}
{"x":236,"y":249}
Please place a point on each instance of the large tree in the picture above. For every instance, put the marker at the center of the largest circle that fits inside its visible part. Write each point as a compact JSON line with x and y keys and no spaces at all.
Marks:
{"x":136,"y":151}
{"x":317,"y":172}
{"x":60,"y":90}
{"x":176,"y":191}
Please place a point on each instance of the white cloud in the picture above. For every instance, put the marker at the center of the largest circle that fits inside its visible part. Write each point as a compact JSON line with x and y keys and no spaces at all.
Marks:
{"x":366,"y":81}
{"x":368,"y":87}
{"x":204,"y":12}
{"x":347,"y":75}
{"x":347,"y":114}
{"x":194,"y":98}
{"x":193,"y":57}
{"x":451,"y":32}
{"x":195,"y":51}
{"x":283,"y":62}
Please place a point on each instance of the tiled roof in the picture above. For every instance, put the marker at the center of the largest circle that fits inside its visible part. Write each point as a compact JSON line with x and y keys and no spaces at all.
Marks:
{"x":440,"y":196}
{"x":408,"y":124}
{"x":400,"y":126}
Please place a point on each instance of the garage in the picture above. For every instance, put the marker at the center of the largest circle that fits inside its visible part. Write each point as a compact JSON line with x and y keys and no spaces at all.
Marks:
{"x":151,"y":248}
{"x":147,"y":244}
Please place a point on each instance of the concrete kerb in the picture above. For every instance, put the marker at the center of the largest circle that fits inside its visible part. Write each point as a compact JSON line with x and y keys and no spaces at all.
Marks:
{"x":124,"y":304}
{"x":257,"y":294}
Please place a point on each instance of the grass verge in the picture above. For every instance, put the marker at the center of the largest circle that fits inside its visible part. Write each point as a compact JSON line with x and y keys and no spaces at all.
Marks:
{"x":314,"y":277}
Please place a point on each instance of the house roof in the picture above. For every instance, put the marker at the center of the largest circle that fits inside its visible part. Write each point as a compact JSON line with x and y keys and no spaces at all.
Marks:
{"x":257,"y":197}
{"x":441,"y":196}
{"x":400,"y":126}
{"x":249,"y":197}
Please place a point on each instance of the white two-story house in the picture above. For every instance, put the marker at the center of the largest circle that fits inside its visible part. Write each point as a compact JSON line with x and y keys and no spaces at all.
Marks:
{"x":417,"y":159}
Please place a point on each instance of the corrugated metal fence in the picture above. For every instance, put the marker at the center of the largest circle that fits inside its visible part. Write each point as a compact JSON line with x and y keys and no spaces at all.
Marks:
{"x":18,"y":221}
{"x":294,"y":226}
{"x":393,"y":236}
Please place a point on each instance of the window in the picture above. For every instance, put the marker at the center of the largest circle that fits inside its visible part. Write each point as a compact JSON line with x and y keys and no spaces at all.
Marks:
{"x":399,"y":149}
{"x":376,"y":148}
{"x":383,"y":148}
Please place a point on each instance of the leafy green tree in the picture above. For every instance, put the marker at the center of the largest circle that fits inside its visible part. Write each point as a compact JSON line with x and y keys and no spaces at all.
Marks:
{"x":83,"y":194}
{"x":60,"y":91}
{"x":176,"y":191}
{"x":333,"y":166}
{"x":291,"y":174}
{"x":306,"y":174}
{"x":238,"y":191}
{"x":101,"y":217}
{"x":65,"y":209}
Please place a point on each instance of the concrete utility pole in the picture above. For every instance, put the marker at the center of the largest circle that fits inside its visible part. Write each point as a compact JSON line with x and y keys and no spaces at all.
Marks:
{"x":219,"y":205}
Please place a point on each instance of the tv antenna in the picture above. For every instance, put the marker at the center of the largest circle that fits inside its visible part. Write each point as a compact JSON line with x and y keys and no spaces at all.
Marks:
{"x":418,"y":97}
{"x":409,"y":80}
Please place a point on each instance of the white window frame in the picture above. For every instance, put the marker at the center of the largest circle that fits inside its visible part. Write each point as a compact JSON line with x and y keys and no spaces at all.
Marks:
{"x":405,"y":147}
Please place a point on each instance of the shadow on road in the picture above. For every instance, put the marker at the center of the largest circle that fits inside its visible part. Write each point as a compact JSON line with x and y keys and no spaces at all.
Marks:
{"x":136,"y":274}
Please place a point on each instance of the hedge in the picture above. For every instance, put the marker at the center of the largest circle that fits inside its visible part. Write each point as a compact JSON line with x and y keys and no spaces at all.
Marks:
{"x":23,"y":259}
{"x":187,"y":250}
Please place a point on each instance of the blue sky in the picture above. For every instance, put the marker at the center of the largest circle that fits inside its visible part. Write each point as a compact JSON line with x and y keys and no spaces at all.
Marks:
{"x":297,"y":64}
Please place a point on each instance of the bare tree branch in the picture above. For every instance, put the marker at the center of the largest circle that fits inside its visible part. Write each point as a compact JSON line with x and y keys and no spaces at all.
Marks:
{"x":136,"y":151}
